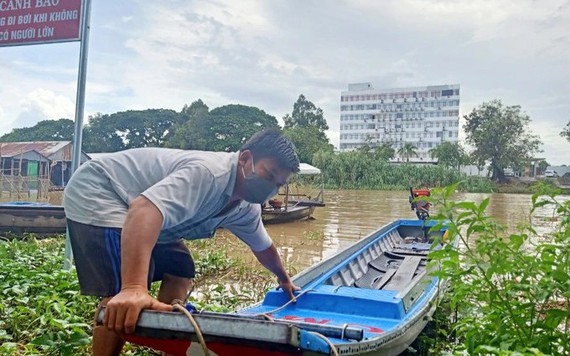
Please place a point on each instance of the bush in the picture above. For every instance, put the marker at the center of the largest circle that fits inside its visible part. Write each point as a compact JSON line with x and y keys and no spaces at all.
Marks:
{"x":509,"y":292}
{"x":40,"y":305}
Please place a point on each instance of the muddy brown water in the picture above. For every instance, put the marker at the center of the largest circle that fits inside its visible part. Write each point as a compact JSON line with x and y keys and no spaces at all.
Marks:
{"x":351,"y":215}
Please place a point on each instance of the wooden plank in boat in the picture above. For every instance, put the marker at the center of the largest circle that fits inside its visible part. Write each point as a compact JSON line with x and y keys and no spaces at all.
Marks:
{"x":404,"y":274}
{"x":410,"y":252}
{"x":383,"y":263}
{"x":384,"y":279}
{"x":368,"y":279}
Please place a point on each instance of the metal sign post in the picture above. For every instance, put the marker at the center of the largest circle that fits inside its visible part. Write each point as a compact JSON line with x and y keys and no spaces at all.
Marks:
{"x":27,"y":22}
{"x":79,"y":110}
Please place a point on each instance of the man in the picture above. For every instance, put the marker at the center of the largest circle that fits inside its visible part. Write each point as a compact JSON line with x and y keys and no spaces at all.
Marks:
{"x":129,"y":211}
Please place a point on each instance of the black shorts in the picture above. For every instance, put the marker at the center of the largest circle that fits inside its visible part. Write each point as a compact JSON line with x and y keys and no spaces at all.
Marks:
{"x":97,"y":254}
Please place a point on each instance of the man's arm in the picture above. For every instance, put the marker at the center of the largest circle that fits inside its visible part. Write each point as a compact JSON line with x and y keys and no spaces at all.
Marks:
{"x":139,"y":235}
{"x":271,"y":260}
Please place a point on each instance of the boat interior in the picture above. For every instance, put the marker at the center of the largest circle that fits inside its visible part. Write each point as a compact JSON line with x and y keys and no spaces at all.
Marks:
{"x":385,"y":278}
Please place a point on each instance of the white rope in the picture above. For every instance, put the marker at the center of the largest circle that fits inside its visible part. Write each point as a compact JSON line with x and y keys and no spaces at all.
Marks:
{"x":284,"y":305}
{"x":343,"y":331}
{"x":331,"y":345}
{"x":176,"y":305}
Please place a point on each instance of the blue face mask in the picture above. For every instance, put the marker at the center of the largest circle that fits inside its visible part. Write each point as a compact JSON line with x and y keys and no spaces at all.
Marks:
{"x":257,"y":190}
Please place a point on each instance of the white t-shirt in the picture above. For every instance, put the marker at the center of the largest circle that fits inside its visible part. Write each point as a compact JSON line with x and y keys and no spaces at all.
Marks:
{"x":190,"y":188}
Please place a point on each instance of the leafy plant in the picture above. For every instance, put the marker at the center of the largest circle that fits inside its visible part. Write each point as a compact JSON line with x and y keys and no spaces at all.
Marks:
{"x":509,"y":292}
{"x":40,"y":305}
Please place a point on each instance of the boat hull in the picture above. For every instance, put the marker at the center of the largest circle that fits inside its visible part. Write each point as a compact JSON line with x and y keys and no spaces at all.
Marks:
{"x":374,"y":298}
{"x":43,"y":219}
{"x":293,"y":213}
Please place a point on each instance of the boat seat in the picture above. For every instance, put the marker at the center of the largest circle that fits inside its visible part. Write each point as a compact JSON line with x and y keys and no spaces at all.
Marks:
{"x":370,"y":278}
{"x":374,"y":279}
{"x":403,"y":276}
{"x":382,"y":269}
{"x":410,"y":252}
{"x":391,"y":254}
{"x":384,"y":262}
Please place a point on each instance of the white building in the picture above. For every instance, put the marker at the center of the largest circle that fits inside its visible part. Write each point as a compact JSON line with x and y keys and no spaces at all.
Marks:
{"x":422,"y":116}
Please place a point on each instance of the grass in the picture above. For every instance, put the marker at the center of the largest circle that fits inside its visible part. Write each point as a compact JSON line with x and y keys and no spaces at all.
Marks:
{"x":43,"y":313}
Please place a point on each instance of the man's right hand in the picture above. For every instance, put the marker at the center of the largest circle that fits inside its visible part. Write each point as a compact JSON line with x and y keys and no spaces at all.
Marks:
{"x":123,"y":310}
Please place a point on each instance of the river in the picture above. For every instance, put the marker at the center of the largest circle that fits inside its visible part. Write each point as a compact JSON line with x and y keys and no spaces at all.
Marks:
{"x":350,"y":215}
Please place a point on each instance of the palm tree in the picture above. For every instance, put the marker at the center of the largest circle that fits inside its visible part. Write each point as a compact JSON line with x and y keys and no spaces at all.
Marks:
{"x":408,"y":150}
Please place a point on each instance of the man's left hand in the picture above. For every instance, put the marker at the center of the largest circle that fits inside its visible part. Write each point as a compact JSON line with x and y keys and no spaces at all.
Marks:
{"x":288,"y":287}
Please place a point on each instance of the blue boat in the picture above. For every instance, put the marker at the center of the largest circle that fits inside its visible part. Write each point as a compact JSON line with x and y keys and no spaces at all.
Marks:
{"x":375,"y":297}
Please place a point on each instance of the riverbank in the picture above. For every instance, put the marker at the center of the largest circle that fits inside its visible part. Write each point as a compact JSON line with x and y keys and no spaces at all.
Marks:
{"x":527,"y":185}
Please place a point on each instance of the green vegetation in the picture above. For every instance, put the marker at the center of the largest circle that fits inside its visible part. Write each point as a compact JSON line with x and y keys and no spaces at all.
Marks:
{"x":41,"y":310}
{"x":509,"y":293}
{"x":500,"y":136}
{"x":43,"y":313}
{"x":306,"y":127}
{"x":359,"y":170}
{"x":450,"y":155}
{"x":196,"y":127}
{"x":45,"y":130}
{"x":225,"y":128}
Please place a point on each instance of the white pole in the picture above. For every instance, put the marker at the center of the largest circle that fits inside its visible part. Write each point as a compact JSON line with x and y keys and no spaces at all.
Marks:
{"x":79,"y":110}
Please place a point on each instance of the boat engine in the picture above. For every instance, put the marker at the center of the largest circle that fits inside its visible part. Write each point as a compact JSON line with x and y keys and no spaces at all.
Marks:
{"x":420,"y":206}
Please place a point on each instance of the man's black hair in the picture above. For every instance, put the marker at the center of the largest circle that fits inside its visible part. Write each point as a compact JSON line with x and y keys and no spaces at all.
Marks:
{"x":270,"y":143}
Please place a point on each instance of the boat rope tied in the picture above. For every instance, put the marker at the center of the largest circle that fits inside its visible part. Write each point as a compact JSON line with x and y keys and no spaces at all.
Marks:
{"x":334,"y":351}
{"x":284,"y":305}
{"x":177,"y":304}
{"x":343,"y":331}
{"x":331,"y":345}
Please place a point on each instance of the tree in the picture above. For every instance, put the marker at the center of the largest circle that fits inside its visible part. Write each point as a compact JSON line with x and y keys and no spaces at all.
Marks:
{"x":384,"y":152}
{"x":407,"y":151}
{"x":306,"y":142}
{"x":306,"y":128}
{"x":186,"y":135}
{"x":450,"y":154}
{"x":367,"y":146}
{"x":306,"y":114}
{"x":129,"y":129}
{"x":542,"y":165}
{"x":232,"y":125}
{"x":45,"y":130}
{"x":501,"y":136}
{"x":222,"y":129}
{"x":566,"y":132}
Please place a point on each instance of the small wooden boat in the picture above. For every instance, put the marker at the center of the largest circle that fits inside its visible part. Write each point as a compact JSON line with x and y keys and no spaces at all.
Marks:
{"x":291,"y":204}
{"x":292,"y":212}
{"x":18,"y":218}
{"x":375,"y":297}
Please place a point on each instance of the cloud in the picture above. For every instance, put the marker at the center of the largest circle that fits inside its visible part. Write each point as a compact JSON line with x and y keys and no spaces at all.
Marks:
{"x":42,"y":104}
{"x":165,"y":54}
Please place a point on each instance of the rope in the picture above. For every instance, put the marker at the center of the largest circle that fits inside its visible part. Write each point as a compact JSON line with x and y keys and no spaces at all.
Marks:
{"x":331,"y":345}
{"x":343,"y":331}
{"x":334,"y":351}
{"x":284,"y":305}
{"x":176,"y":304}
{"x":99,"y":307}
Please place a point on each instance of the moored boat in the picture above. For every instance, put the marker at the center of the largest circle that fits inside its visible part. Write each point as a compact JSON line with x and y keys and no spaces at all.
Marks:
{"x":18,"y":218}
{"x":292,"y":212}
{"x":292,"y":203}
{"x":375,"y":297}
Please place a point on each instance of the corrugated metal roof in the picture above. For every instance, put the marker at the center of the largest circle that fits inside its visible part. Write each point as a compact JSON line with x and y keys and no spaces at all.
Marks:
{"x":45,"y":148}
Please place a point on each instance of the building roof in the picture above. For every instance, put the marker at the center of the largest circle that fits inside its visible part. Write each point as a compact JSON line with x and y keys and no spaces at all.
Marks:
{"x":305,"y":168}
{"x":47,"y":149}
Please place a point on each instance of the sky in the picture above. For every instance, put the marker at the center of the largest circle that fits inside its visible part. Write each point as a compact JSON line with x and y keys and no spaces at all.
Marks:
{"x":170,"y":53}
